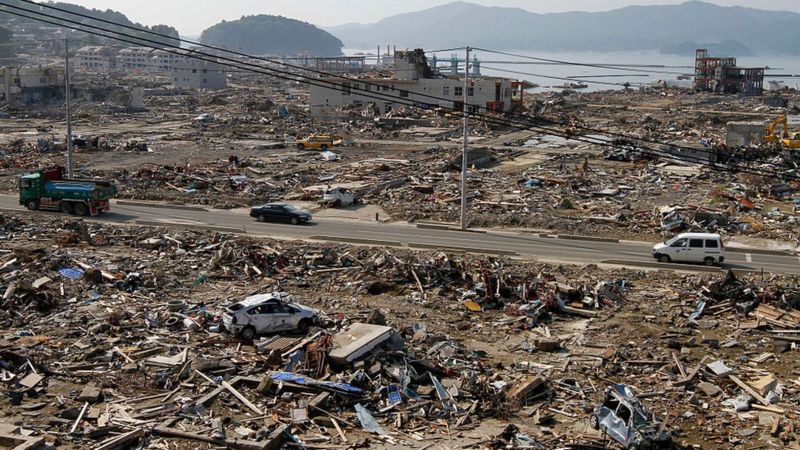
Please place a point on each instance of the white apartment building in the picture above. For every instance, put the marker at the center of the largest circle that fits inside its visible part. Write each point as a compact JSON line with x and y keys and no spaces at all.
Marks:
{"x":184,"y":70}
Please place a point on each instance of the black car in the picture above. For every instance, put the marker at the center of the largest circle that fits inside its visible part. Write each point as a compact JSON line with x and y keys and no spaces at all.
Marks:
{"x":280,"y":212}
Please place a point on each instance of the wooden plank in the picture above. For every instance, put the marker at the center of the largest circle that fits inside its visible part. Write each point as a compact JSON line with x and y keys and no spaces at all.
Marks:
{"x":241,"y":398}
{"x":338,"y":429}
{"x":749,"y":390}
{"x":679,"y":365}
{"x":120,"y":440}
{"x":80,"y":417}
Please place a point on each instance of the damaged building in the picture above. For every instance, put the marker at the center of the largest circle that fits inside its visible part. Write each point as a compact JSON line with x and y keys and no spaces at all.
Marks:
{"x":185,"y":70}
{"x":29,"y":85}
{"x":723,"y":76}
{"x":414,"y":81}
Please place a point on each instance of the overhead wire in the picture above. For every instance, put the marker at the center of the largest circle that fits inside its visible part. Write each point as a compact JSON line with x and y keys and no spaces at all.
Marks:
{"x":326,"y":74}
{"x":572,"y":63}
{"x":293,"y":77}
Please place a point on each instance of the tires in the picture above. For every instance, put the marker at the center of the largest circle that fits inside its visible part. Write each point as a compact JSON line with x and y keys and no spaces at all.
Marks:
{"x":664,"y":259}
{"x":304,"y":326}
{"x":32,"y":205}
{"x":301,"y":147}
{"x":294,"y":220}
{"x":324,"y":148}
{"x":65,"y":208}
{"x":262,"y":218}
{"x":80,"y":209}
{"x":709,"y":261}
{"x":595,"y":423}
{"x":249,"y":333}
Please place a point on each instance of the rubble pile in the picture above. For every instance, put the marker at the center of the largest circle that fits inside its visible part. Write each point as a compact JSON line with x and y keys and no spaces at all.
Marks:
{"x":117,"y":335}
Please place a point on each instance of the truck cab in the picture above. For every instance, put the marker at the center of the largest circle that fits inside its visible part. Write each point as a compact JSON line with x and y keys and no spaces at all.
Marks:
{"x":49,"y":189}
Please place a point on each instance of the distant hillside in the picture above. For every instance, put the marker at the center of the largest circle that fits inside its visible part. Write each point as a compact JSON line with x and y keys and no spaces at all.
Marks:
{"x":668,"y":28}
{"x":275,"y":35}
{"x":13,"y":22}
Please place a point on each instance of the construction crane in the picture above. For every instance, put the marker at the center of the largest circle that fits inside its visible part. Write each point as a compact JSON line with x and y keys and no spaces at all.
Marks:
{"x":786,"y":138}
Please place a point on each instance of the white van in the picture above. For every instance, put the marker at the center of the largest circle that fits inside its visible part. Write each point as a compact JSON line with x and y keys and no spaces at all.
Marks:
{"x":703,"y":248}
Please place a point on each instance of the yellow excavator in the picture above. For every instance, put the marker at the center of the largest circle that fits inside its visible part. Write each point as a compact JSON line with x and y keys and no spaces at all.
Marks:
{"x":786,"y":138}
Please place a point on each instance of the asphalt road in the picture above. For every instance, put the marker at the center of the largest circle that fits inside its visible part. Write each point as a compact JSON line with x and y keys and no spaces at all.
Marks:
{"x":528,"y":246}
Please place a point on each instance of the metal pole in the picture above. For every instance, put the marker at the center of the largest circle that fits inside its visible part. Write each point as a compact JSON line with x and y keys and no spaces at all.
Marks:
{"x":69,"y":116}
{"x":464,"y":155}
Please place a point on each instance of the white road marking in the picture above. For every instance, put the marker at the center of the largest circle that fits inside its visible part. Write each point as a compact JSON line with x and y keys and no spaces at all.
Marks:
{"x":748,"y":257}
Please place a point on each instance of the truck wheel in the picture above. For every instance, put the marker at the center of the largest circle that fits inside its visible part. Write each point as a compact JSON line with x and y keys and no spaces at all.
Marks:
{"x":249,"y":333}
{"x":301,"y":147}
{"x":65,"y":208}
{"x":664,"y":259}
{"x":324,"y":148}
{"x":709,"y":261}
{"x":80,"y":209}
{"x":33,"y":205}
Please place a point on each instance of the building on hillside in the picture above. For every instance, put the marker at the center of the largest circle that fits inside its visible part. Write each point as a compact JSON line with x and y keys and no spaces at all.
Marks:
{"x":414,"y":81}
{"x":29,"y":85}
{"x":723,"y":76}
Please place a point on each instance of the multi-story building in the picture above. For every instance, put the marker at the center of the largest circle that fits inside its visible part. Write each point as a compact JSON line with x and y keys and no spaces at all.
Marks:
{"x":96,"y":58}
{"x":722,"y":75}
{"x":28,"y":85}
{"x":184,"y":70}
{"x":414,"y":81}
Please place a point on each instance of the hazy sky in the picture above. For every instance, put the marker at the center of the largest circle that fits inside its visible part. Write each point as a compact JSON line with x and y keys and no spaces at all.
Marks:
{"x":193,"y":16}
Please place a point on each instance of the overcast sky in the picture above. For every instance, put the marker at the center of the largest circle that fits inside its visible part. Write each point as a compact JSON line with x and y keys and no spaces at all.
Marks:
{"x":191,"y":17}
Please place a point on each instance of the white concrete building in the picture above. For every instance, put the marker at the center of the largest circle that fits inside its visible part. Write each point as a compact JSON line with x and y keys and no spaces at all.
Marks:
{"x":413,"y":82}
{"x":95,"y":58}
{"x":184,"y":70}
{"x":28,"y":85}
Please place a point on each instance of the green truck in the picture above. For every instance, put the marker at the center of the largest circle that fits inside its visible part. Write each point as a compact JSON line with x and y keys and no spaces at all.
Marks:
{"x":48,"y":189}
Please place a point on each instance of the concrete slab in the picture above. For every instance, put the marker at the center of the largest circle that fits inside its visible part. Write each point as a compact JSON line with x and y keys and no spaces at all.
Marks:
{"x":358,"y":340}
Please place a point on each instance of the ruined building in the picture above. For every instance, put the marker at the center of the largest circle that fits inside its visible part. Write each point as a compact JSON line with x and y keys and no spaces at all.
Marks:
{"x":184,"y":70}
{"x":29,"y":85}
{"x":723,"y":76}
{"x":414,"y":81}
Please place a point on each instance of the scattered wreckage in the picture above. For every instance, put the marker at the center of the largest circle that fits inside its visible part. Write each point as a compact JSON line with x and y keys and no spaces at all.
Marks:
{"x":626,"y":420}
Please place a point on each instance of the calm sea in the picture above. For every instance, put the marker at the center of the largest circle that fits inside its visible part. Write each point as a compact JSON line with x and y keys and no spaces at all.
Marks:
{"x":642,"y":68}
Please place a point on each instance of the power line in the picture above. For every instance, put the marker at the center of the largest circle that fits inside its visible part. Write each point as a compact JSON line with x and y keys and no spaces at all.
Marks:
{"x":315,"y":80}
{"x":606,"y":83}
{"x":367,"y":94}
{"x":572,"y":63}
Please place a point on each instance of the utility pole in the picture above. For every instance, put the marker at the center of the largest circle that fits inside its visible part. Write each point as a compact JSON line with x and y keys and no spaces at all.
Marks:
{"x":69,"y":116}
{"x":466,"y":149}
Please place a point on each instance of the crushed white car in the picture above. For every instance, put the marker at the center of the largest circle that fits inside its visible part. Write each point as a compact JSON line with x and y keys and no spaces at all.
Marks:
{"x":266,"y":314}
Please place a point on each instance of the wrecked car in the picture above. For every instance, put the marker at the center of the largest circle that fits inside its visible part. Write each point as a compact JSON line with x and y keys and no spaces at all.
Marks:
{"x":267,"y":313}
{"x":625,"y":419}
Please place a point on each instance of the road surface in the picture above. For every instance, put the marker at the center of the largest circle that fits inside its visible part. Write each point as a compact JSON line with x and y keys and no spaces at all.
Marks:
{"x":524,"y":245}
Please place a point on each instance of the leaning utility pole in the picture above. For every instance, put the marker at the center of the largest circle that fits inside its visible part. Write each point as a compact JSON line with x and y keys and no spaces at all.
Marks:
{"x":464,"y":155}
{"x":69,"y":116}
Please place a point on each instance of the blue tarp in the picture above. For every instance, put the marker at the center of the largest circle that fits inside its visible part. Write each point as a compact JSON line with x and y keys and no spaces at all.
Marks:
{"x":304,"y":381}
{"x":72,"y":274}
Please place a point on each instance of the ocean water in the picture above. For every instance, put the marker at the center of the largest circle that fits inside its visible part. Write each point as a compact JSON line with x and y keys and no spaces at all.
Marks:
{"x":641,"y":68}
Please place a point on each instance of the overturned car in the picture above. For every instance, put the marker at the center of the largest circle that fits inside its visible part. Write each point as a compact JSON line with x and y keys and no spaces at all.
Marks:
{"x":625,"y":419}
{"x":267,"y":313}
